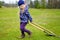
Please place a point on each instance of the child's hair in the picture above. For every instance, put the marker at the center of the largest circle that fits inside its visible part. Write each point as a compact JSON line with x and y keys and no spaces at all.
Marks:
{"x":20,"y":2}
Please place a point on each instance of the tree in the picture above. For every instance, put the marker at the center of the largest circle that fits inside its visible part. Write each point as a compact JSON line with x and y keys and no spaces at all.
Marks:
{"x":58,"y":3}
{"x":52,"y":3}
{"x":49,"y":3}
{"x":36,"y":4}
{"x":43,"y":3}
{"x":31,"y":4}
{"x":1,"y":3}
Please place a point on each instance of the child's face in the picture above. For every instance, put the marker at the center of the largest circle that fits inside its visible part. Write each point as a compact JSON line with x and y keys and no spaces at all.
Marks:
{"x":22,"y":6}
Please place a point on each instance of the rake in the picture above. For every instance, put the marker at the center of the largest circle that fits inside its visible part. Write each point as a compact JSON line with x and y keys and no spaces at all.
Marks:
{"x":46,"y":31}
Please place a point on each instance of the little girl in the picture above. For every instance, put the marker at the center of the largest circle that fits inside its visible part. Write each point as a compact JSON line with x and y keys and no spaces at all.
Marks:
{"x":24,"y":18}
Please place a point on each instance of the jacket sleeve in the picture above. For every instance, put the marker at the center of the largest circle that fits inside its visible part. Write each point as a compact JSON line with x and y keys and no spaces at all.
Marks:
{"x":28,"y":14}
{"x":29,"y":17}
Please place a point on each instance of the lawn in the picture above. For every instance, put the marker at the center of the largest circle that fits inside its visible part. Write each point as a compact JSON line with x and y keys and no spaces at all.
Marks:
{"x":9,"y":23}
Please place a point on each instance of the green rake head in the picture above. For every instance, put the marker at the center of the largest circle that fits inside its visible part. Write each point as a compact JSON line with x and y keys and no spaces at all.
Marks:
{"x":48,"y":33}
{"x":51,"y":34}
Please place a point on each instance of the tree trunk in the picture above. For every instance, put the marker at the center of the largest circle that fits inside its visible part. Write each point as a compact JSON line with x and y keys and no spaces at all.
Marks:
{"x":52,"y":3}
{"x":43,"y":3}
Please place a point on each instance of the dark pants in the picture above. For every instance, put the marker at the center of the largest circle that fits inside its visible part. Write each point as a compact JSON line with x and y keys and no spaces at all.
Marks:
{"x":22,"y":28}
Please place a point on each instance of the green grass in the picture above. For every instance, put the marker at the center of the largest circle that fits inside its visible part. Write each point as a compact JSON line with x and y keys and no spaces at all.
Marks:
{"x":9,"y":23}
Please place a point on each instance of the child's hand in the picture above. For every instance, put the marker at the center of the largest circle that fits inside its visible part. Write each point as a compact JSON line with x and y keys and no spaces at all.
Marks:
{"x":31,"y":21}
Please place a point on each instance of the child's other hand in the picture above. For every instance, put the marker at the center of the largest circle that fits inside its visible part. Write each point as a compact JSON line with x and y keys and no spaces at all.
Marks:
{"x":30,"y":19}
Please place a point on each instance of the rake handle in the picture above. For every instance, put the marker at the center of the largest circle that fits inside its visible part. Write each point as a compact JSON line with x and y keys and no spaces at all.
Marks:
{"x":41,"y":28}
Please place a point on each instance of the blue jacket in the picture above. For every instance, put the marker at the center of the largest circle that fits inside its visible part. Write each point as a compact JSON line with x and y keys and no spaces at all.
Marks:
{"x":24,"y":17}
